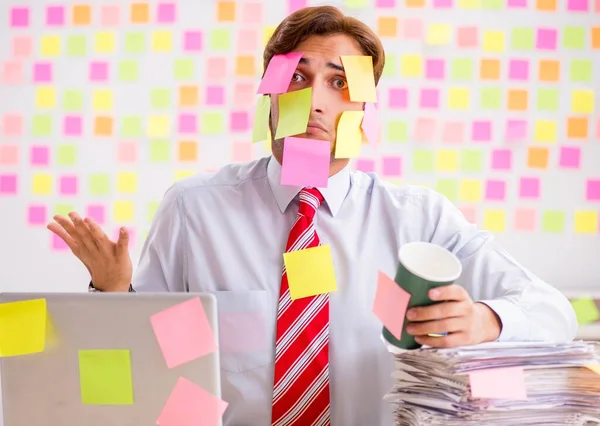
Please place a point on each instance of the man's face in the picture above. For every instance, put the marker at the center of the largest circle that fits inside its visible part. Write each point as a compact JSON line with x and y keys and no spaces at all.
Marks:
{"x":321,"y":69}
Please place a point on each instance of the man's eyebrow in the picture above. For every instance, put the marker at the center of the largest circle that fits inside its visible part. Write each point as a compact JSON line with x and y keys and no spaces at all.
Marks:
{"x":306,"y":61}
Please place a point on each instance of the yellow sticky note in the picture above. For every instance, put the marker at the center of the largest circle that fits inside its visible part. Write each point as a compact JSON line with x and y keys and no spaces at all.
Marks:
{"x":447,"y":160}
{"x":49,"y":46}
{"x":582,"y":101}
{"x":494,"y":220}
{"x":469,"y":4}
{"x":348,"y":137}
{"x":458,"y":98}
{"x":162,"y":41}
{"x":586,"y":310}
{"x":268,"y":32}
{"x":45,"y":97}
{"x":493,"y":41}
{"x":123,"y":211}
{"x":42,"y":184}
{"x":438,"y":34}
{"x":310,"y":272}
{"x":127,"y":182}
{"x":104,"y":42}
{"x":360,"y":77}
{"x":23,"y":327}
{"x":594,"y":367}
{"x":294,"y":110}
{"x":545,"y":131}
{"x":158,"y":126}
{"x":261,"y":119}
{"x":470,"y":191}
{"x":182,"y":174}
{"x":586,"y":222}
{"x":102,"y":100}
{"x":411,"y":65}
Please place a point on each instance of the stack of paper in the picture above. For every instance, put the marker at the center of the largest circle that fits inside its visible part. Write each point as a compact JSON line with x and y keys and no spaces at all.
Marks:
{"x":513,"y":383}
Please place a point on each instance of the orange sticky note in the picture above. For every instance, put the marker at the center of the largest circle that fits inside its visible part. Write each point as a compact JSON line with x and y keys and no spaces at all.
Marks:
{"x":501,"y":383}
{"x":517,"y":99}
{"x":537,"y":157}
{"x":188,"y":151}
{"x":188,"y":96}
{"x":549,"y":70}
{"x":82,"y":14}
{"x":103,"y":126}
{"x":310,"y":272}
{"x":390,"y":304}
{"x":140,"y":13}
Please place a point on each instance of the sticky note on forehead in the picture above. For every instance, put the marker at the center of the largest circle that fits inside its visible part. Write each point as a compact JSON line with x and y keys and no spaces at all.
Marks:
{"x":278,"y":75}
{"x":360,"y":77}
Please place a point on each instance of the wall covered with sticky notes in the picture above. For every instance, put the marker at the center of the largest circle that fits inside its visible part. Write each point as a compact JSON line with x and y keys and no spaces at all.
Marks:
{"x":492,"y":103}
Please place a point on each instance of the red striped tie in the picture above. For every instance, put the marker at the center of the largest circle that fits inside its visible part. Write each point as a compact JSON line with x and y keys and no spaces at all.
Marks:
{"x":301,"y":383}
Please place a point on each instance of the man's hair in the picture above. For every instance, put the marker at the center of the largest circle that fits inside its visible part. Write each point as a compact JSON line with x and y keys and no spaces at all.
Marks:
{"x":324,"y":21}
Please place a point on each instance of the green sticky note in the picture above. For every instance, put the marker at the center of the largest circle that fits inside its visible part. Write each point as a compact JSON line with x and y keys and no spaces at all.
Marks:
{"x":581,"y":71}
{"x":63,"y":209}
{"x":491,"y":98}
{"x":423,"y":161}
{"x":448,"y":188}
{"x":135,"y":42}
{"x":66,"y":155}
{"x":390,"y":67}
{"x":99,"y":184}
{"x":131,"y":126}
{"x":574,"y":37}
{"x":183,"y":69}
{"x":212,"y":123}
{"x":492,"y":4}
{"x":260,"y":130}
{"x":76,"y":45}
{"x":23,"y":327}
{"x":547,"y":99}
{"x":397,"y":131}
{"x":105,"y":377}
{"x":294,"y":110}
{"x":220,"y":39}
{"x":586,"y":310}
{"x":356,"y":3}
{"x":72,"y":100}
{"x":160,"y":98}
{"x":128,"y":70}
{"x":553,"y":221}
{"x":152,"y":209}
{"x":462,"y":69}
{"x":471,"y":160}
{"x":522,"y":39}
{"x":42,"y":125}
{"x":160,"y":151}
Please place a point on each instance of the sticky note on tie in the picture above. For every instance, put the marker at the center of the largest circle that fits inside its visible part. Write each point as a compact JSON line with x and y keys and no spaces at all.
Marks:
{"x":183,"y":332}
{"x":310,"y":272}
{"x":261,"y":119}
{"x":349,"y":134}
{"x":370,"y":124}
{"x":278,"y":75}
{"x":498,"y":383}
{"x":23,"y":327}
{"x":360,"y":77}
{"x":390,"y":304}
{"x":189,"y":404}
{"x":305,"y":162}
{"x":105,"y":377}
{"x":294,"y":110}
{"x":585,"y":310}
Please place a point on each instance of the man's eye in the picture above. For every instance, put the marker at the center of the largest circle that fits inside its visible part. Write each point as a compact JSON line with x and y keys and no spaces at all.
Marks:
{"x":340,"y":83}
{"x":296,"y":77}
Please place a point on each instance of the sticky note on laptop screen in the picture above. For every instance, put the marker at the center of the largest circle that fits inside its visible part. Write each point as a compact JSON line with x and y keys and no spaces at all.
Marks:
{"x":360,"y":78}
{"x":105,"y":377}
{"x":310,"y":272}
{"x":23,"y":327}
{"x":183,"y":332}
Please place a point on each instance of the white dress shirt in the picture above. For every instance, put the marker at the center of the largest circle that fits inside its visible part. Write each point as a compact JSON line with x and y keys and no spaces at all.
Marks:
{"x":225,"y":233}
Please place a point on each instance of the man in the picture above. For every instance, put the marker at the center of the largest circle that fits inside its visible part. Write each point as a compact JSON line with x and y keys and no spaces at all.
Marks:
{"x":225,"y":233}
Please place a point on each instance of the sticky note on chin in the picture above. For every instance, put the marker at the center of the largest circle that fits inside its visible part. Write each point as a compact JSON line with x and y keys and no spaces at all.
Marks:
{"x":310,"y":272}
{"x":349,"y":134}
{"x":305,"y":162}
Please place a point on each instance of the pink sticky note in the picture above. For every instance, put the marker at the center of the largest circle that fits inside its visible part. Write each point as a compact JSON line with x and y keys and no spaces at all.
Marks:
{"x":55,"y":16}
{"x":241,"y":152}
{"x":412,"y":28}
{"x":22,"y":46}
{"x":42,"y":72}
{"x":546,"y":39}
{"x":244,"y":94}
{"x":39,"y":155}
{"x":127,"y":152}
{"x":96,"y":212}
{"x":239,"y":121}
{"x":597,"y":5}
{"x":242,"y":332}
{"x":12,"y":72}
{"x":364,"y":165}
{"x":187,"y":123}
{"x":12,"y":125}
{"x":216,"y":68}
{"x":518,"y":69}
{"x":183,"y":332}
{"x":397,"y":98}
{"x":370,"y":123}
{"x":501,"y":159}
{"x":469,"y":213}
{"x":529,"y":187}
{"x":570,"y":157}
{"x":424,"y":129}
{"x":192,"y":41}
{"x":9,"y":155}
{"x":391,"y":166}
{"x":279,"y":73}
{"x":36,"y":215}
{"x":435,"y":69}
{"x":578,"y":5}
{"x":592,"y":191}
{"x":57,"y":243}
{"x":495,"y":190}
{"x":468,"y":37}
{"x":247,"y":40}
{"x":516,"y":130}
{"x":8,"y":184}
{"x":190,"y":405}
{"x":516,"y":4}
{"x":598,"y":121}
{"x":98,"y":71}
{"x":109,"y":16}
{"x":215,"y":95}
{"x":429,"y":98}
{"x":294,"y":5}
{"x":482,"y":131}
{"x":68,"y":185}
{"x":453,"y":132}
{"x":525,"y":219}
{"x":390,"y":304}
{"x":252,"y":12}
{"x":305,"y":162}
{"x":501,"y":383}
{"x":166,"y":13}
{"x":19,"y":17}
{"x":443,"y":4}
{"x":390,"y":4}
{"x":72,"y":125}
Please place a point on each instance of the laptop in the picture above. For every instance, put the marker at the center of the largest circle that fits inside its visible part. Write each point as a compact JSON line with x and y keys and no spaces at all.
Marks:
{"x":44,"y":389}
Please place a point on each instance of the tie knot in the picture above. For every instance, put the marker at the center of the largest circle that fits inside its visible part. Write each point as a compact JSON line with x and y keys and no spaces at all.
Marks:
{"x":310,"y":200}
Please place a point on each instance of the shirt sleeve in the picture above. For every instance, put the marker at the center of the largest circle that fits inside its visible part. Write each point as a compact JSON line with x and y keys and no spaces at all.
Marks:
{"x":529,"y":308}
{"x":163,"y":258}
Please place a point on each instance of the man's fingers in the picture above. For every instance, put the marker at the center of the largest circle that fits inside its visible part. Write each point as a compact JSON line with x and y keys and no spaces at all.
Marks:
{"x":60,"y":231}
{"x":83,"y":232}
{"x":97,"y":233}
{"x":429,"y":327}
{"x":449,"y":341}
{"x":438,"y":311}
{"x":122,"y":242}
{"x":449,"y":292}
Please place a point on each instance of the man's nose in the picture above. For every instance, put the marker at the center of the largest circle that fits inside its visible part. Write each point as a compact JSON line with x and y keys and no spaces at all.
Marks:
{"x":318,"y":97}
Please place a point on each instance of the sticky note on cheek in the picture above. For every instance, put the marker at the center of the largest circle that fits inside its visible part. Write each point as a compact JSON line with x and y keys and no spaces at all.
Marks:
{"x":349,"y":134}
{"x":310,"y":272}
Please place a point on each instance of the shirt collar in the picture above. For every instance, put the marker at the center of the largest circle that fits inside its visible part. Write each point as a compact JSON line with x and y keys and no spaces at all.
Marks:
{"x":335,"y":193}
